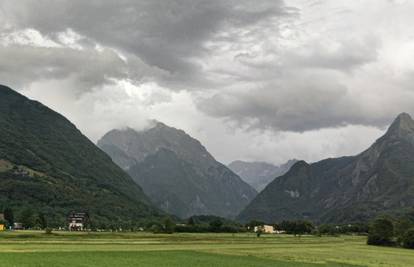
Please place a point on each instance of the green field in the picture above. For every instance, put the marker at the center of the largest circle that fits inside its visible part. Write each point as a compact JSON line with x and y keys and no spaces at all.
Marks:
{"x":28,"y":248}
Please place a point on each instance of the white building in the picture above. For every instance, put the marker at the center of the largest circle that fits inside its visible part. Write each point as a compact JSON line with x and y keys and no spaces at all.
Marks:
{"x":267,"y":229}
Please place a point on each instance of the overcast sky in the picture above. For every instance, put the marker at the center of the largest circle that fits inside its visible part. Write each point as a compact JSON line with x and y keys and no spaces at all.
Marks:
{"x":261,"y":80}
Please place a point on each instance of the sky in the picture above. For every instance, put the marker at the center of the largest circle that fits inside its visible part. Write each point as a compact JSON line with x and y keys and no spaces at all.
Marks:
{"x":264,"y":80}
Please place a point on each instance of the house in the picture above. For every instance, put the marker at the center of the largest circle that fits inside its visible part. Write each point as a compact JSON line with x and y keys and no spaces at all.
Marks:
{"x":267,"y":229}
{"x":17,"y":226}
{"x":21,"y":171}
{"x":77,"y":220}
{"x":2,"y":222}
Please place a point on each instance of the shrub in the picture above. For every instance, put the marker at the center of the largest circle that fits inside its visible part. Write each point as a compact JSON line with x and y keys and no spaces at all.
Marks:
{"x":297,"y":227}
{"x":8,"y":216}
{"x":400,"y":228}
{"x":156,"y":228}
{"x":168,"y":226}
{"x":327,"y":229}
{"x":381,"y":232}
{"x":408,"y":239}
{"x":215,"y":225}
{"x":48,"y":231}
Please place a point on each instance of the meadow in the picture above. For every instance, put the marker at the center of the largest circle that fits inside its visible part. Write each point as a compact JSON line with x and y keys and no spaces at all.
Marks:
{"x":31,"y":248}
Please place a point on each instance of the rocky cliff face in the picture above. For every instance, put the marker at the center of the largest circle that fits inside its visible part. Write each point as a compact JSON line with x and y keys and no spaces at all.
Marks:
{"x":259,"y":174}
{"x":177,"y":172}
{"x":379,"y":180}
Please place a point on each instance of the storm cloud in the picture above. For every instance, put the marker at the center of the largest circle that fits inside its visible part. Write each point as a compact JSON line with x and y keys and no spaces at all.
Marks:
{"x":167,"y":35}
{"x":271,"y":73}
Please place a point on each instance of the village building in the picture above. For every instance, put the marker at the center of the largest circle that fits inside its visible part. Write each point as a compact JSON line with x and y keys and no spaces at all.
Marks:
{"x":2,"y":221}
{"x":266,"y":229}
{"x":2,"y":225}
{"x":17,"y":170}
{"x":18,"y":226}
{"x":78,"y":221}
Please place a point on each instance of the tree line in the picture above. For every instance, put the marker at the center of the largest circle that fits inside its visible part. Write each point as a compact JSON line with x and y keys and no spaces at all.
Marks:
{"x":383,"y":231}
{"x":301,"y":227}
{"x":26,"y":217}
{"x":389,"y":231}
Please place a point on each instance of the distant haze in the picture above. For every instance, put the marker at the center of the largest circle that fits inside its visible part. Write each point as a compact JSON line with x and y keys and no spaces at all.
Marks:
{"x":268,"y":80}
{"x":259,"y":174}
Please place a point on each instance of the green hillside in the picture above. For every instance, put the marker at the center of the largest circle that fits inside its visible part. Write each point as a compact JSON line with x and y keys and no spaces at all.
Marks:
{"x":47,"y":165}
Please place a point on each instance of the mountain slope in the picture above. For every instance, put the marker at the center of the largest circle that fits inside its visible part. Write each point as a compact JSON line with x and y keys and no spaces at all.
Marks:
{"x":259,"y":174}
{"x":177,"y":172}
{"x":46,"y":164}
{"x":379,"y":180}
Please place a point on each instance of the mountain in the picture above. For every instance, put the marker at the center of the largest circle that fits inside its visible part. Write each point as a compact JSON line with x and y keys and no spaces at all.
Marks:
{"x":178,"y":174}
{"x":259,"y":174}
{"x":48,"y":166}
{"x":347,"y":189}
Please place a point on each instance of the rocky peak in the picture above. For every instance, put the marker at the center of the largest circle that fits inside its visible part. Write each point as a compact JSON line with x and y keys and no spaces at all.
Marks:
{"x":139,"y":144}
{"x":300,"y":164}
{"x":177,"y":172}
{"x":403,"y":124}
{"x":402,"y":128}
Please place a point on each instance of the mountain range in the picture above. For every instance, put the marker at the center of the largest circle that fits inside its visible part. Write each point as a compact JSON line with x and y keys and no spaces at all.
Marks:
{"x":177,"y":172}
{"x":259,"y":174}
{"x":347,"y":189}
{"x":47,"y":165}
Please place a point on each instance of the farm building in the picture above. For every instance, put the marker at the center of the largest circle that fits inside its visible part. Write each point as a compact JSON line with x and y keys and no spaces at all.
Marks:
{"x":267,"y":229}
{"x":17,"y":226}
{"x":78,"y":221}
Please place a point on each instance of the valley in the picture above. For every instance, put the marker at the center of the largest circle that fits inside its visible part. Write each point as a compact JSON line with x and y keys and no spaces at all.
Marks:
{"x":206,"y":133}
{"x":31,"y":248}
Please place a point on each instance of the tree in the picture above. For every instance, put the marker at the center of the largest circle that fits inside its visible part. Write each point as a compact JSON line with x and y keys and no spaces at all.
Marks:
{"x":8,"y":216}
{"x":155,"y":228}
{"x":287,"y":226}
{"x":296,"y":227}
{"x":400,"y":228}
{"x":328,"y":229}
{"x":381,"y":232}
{"x":302,"y":227}
{"x":27,"y":218}
{"x":41,"y":221}
{"x":168,"y":226}
{"x":408,"y":238}
{"x":215,"y":225}
{"x":254,"y":223}
{"x":259,"y":231}
{"x":191,"y":221}
{"x":410,"y":215}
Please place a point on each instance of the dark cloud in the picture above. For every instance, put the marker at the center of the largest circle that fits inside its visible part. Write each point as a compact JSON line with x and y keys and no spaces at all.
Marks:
{"x":301,"y":71}
{"x":21,"y":65}
{"x":298,"y":102}
{"x":166,"y":34}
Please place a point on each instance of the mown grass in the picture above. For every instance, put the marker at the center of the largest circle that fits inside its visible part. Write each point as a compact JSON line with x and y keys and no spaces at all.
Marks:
{"x":144,"y":259}
{"x":145,"y":249}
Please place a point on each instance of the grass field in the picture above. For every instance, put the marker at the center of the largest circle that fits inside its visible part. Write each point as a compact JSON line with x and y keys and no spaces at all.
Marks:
{"x":28,"y":248}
